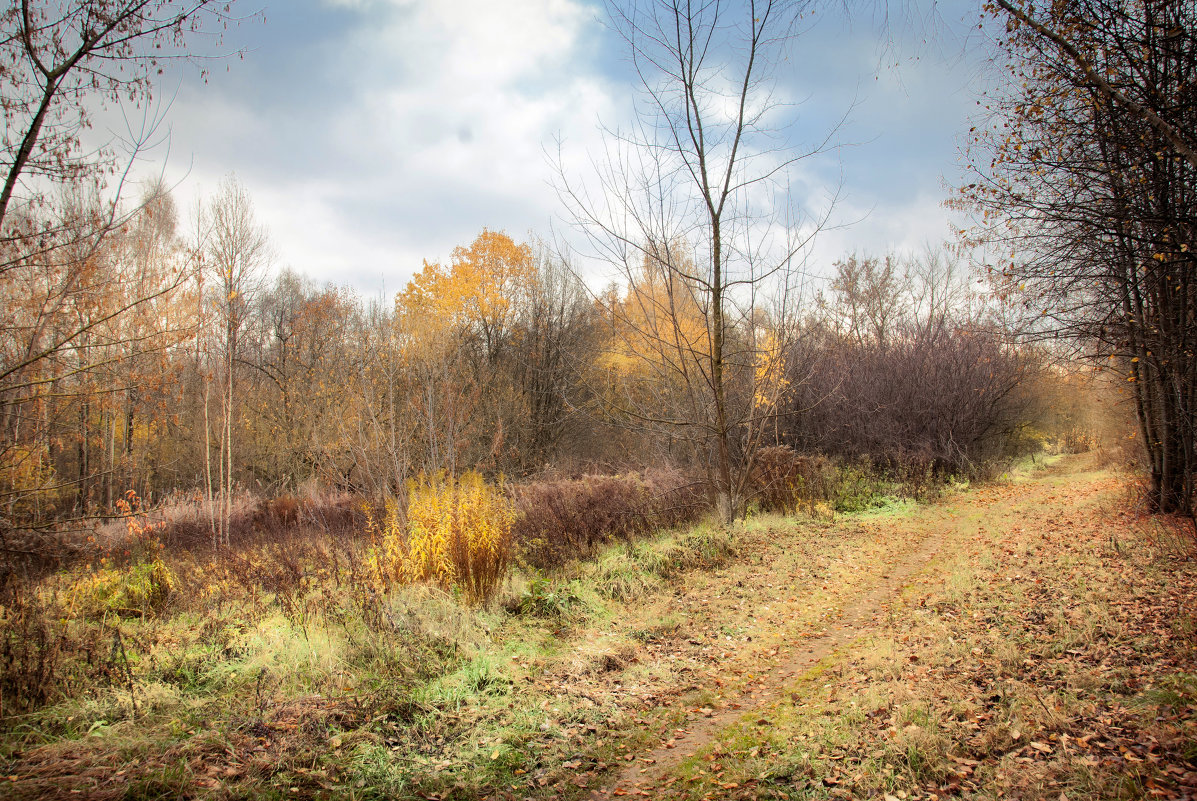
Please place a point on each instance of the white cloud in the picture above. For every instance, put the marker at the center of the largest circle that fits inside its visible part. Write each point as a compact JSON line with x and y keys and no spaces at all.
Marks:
{"x":373,"y":134}
{"x":903,"y":228}
{"x":425,"y":122}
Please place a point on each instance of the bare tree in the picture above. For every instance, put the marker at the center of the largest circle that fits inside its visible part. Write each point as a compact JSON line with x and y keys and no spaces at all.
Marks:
{"x":59,"y":60}
{"x":74,"y":303}
{"x":556,"y":335}
{"x":236,"y":254}
{"x":692,"y":208}
{"x":870,"y":293}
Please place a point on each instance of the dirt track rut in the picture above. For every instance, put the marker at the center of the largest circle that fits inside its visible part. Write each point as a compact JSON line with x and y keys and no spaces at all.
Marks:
{"x":921,"y":537}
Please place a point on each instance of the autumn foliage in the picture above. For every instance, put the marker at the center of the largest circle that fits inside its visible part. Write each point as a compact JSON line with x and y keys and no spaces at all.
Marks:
{"x":571,"y":518}
{"x":456,"y":533}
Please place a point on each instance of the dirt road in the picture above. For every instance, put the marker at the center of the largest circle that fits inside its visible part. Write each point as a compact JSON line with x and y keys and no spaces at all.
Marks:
{"x":813,"y":600}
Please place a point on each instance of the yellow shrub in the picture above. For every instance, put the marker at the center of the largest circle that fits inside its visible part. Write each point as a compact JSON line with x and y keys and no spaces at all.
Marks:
{"x":458,"y":533}
{"x":141,"y":588}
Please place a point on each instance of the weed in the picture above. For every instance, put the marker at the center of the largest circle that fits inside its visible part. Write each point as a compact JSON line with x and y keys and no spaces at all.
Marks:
{"x":858,"y":488}
{"x":457,"y":534}
{"x":543,"y":597}
{"x":619,"y":574}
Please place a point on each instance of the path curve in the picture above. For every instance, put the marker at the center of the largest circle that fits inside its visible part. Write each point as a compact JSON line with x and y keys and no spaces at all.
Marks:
{"x":655,"y":766}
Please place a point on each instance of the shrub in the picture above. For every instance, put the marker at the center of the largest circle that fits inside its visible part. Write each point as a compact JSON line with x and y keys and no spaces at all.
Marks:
{"x":141,"y":588}
{"x":134,"y":580}
{"x":571,"y":518}
{"x":543,"y":598}
{"x":1076,"y":440}
{"x":43,"y":656}
{"x":859,"y":487}
{"x":785,"y":481}
{"x":457,"y":534}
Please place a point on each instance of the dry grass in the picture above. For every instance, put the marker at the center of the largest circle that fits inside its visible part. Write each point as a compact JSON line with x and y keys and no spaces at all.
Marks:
{"x":277,"y":672}
{"x":1046,"y":660}
{"x":456,"y":532}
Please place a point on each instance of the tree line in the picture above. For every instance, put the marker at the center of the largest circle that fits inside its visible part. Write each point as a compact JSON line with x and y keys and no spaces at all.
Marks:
{"x":191,"y":366}
{"x":146,"y":351}
{"x":1086,"y":181}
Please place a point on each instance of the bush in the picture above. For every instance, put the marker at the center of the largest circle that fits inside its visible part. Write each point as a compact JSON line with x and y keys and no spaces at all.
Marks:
{"x":784,"y":481}
{"x":141,"y":588}
{"x":43,"y":656}
{"x":571,"y":518}
{"x":940,"y":392}
{"x":1076,"y":440}
{"x":543,"y":598}
{"x":859,"y":487}
{"x":133,"y":580}
{"x":458,"y":533}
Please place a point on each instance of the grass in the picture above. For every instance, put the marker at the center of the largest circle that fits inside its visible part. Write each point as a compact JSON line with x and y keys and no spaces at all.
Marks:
{"x":253,"y":687}
{"x":1033,"y":661}
{"x":293,"y":680}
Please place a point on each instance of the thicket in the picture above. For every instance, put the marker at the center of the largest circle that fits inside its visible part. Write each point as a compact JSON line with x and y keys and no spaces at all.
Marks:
{"x":564,"y":519}
{"x":898,"y":377}
{"x":907,"y":371}
{"x":1083,"y":180}
{"x":132,"y":614}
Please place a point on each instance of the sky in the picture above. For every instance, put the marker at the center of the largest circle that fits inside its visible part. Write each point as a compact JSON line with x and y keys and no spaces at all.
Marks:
{"x":373,"y":135}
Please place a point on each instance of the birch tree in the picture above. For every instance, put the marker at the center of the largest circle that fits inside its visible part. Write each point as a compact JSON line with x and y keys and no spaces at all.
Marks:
{"x":236,"y":255}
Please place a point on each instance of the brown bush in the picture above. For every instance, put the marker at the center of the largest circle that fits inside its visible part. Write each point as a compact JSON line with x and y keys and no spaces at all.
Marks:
{"x":571,"y":518}
{"x":785,"y":481}
{"x":942,"y":395}
{"x":43,"y":660}
{"x":284,"y":510}
{"x":187,"y":524}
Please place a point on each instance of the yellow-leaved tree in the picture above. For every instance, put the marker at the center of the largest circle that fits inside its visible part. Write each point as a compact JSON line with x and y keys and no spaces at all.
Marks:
{"x":657,"y":343}
{"x":455,"y":325}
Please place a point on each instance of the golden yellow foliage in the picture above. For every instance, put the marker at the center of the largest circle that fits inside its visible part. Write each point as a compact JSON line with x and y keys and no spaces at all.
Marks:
{"x":477,"y":293}
{"x":657,"y":322}
{"x":458,"y":534}
{"x":27,"y":476}
{"x":769,"y":380}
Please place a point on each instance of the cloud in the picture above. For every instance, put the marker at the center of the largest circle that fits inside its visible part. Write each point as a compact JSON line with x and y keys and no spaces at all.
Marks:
{"x":373,"y":135}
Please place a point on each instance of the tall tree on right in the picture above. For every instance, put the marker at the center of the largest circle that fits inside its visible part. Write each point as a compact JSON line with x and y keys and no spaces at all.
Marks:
{"x":1085,"y":176}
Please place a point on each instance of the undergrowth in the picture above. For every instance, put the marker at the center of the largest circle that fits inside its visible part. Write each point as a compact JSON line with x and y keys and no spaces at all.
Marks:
{"x":456,"y":533}
{"x":425,"y":654}
{"x":316,"y":662}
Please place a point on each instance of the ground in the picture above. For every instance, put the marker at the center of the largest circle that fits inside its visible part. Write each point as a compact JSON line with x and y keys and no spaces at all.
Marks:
{"x":1024,"y":639}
